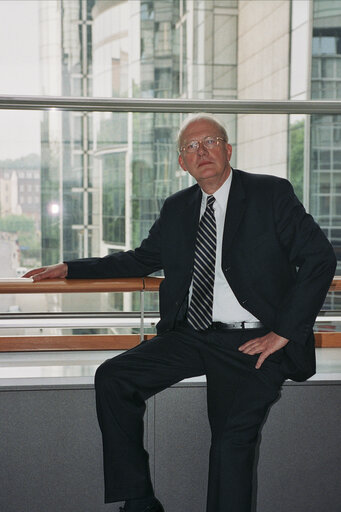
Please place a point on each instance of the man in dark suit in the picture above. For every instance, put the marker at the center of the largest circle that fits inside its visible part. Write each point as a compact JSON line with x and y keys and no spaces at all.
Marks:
{"x":246,"y":273}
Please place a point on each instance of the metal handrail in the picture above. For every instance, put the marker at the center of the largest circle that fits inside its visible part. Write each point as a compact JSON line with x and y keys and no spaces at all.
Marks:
{"x":89,"y":104}
{"x":76,"y":314}
{"x":76,"y":322}
{"x":128,"y":284}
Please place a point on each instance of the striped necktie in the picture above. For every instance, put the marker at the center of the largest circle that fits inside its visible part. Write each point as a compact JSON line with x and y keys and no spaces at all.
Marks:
{"x":199,"y":314}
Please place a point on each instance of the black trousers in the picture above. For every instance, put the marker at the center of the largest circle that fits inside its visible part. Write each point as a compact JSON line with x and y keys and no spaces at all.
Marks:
{"x":238,"y":398}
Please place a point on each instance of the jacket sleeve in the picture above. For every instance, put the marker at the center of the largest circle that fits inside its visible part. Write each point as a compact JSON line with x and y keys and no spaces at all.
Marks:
{"x":135,"y":263}
{"x":311,"y":253}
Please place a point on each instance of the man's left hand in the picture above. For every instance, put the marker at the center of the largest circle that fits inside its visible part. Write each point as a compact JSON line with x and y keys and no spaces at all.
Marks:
{"x":264,"y":346}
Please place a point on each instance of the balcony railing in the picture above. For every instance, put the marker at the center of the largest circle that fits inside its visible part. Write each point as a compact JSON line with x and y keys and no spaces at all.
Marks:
{"x":140,"y":320}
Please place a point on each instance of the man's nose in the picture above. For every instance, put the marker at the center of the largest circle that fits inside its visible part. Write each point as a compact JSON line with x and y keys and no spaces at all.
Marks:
{"x":202,"y":149}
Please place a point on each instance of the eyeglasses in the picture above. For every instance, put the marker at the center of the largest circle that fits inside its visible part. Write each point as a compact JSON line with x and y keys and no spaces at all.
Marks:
{"x":208,"y":142}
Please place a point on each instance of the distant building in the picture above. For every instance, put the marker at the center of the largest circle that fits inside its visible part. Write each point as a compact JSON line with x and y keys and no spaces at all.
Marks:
{"x":9,"y":197}
{"x":20,"y":188}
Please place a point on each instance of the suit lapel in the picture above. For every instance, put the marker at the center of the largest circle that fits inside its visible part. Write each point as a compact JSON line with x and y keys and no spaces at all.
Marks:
{"x":190,"y":220}
{"x":235,"y":210}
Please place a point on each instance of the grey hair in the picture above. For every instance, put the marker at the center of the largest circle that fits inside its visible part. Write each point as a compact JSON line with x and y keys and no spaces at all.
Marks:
{"x":200,"y":117}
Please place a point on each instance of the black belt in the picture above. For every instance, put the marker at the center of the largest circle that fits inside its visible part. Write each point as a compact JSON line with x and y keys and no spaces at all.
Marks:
{"x":235,"y":325}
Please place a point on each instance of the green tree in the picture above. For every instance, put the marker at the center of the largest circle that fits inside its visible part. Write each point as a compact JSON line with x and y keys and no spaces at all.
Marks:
{"x":17,"y":223}
{"x":28,"y":238}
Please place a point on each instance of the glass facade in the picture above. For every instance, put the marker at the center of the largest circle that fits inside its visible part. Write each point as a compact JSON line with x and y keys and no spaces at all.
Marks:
{"x":103,"y":176}
{"x":66,"y":141}
{"x":113,"y":198}
{"x":325,"y":144}
{"x":143,"y":49}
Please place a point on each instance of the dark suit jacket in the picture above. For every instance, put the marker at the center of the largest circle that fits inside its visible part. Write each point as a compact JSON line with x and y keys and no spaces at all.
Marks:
{"x":276,"y":259}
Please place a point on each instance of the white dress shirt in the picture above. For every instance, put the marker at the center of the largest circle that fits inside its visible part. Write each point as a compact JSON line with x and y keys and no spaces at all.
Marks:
{"x":226,"y":308}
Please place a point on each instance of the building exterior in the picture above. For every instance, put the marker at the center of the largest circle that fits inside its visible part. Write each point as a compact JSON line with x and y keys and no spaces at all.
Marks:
{"x":20,"y":188}
{"x":325,"y":130}
{"x":20,"y":214}
{"x":105,"y":175}
{"x":263,"y":43}
{"x":9,"y":200}
{"x":152,"y":49}
{"x":68,"y":198}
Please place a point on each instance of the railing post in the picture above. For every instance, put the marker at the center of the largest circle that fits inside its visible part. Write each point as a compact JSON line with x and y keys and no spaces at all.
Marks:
{"x":142,"y":313}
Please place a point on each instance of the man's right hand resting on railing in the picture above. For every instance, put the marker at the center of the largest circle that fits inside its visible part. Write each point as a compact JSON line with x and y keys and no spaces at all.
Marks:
{"x":51,"y":272}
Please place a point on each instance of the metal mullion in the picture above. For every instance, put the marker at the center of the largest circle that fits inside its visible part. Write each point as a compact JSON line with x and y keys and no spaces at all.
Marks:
{"x":9,"y":102}
{"x":142,"y":316}
{"x":74,"y":323}
{"x":78,"y":315}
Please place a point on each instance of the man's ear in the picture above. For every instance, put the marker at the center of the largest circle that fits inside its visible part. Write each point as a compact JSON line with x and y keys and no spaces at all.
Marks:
{"x":182,"y":163}
{"x":229,"y":150}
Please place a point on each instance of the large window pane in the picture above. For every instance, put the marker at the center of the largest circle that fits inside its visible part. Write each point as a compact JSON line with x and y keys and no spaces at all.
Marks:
{"x":84,"y":202}
{"x":102,"y":177}
{"x":230,"y":49}
{"x":155,"y":48}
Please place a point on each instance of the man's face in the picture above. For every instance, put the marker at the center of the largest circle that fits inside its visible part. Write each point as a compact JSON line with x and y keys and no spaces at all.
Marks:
{"x":210,"y":167}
